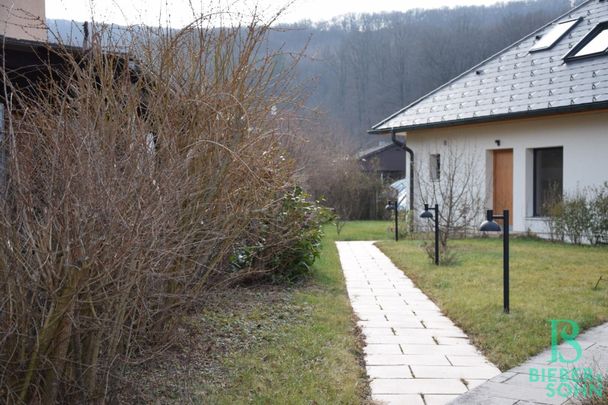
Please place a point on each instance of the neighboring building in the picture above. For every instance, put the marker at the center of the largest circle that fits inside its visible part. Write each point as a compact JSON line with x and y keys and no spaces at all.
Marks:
{"x":532,"y":119}
{"x":23,"y":19}
{"x":386,"y":159}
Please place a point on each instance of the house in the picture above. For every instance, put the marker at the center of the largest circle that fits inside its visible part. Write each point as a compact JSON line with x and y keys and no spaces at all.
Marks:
{"x":23,"y":19}
{"x":386,"y":159}
{"x":529,"y":124}
{"x":29,"y":62}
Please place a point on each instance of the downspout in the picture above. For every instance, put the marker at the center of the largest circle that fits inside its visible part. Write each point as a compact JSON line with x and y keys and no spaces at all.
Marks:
{"x":403,"y":146}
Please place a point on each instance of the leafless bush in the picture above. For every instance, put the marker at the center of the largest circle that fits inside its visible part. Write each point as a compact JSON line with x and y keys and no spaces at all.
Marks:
{"x":131,"y":180}
{"x":333,"y":174}
{"x":579,"y":217}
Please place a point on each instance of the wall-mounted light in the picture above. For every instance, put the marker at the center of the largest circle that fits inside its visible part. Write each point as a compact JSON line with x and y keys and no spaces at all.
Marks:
{"x":497,"y":142}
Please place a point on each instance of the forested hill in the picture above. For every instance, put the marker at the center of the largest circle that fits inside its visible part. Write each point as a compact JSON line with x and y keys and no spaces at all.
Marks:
{"x":369,"y":66}
{"x":361,"y":68}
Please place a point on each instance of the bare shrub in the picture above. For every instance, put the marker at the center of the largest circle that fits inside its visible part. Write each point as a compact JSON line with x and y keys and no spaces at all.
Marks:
{"x":132,"y":178}
{"x":333,"y":174}
{"x":599,"y":214}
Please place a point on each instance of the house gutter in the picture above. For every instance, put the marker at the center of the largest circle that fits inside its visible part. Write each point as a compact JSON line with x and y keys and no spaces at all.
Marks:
{"x":541,"y":113}
{"x":403,"y":146}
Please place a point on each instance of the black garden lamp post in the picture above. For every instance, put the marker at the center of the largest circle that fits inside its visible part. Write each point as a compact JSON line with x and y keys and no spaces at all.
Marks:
{"x":393,"y":205}
{"x":429,"y":215}
{"x":490,"y":226}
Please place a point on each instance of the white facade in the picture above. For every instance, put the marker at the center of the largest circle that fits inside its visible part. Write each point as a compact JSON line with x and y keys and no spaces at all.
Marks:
{"x":583,"y":136}
{"x":23,"y":19}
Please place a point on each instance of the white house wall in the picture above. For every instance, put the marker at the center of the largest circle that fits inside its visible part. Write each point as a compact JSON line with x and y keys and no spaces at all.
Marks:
{"x":23,"y":19}
{"x":583,"y":136}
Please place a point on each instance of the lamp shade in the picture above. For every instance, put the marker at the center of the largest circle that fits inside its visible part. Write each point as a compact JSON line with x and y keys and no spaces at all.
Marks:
{"x":490,"y":226}
{"x":426,"y":214}
{"x":389,"y":206}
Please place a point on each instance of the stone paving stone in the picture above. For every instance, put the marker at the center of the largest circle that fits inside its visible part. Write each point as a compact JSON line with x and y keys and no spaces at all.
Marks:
{"x":438,"y":324}
{"x":458,"y":360}
{"x":389,"y":372}
{"x":476,"y":372}
{"x":453,"y":332}
{"x":439,"y":349}
{"x":413,"y":323}
{"x":410,"y":359}
{"x":378,"y":317}
{"x":382,"y":349}
{"x":368,"y":332}
{"x":417,"y":386}
{"x":439,"y":399}
{"x":400,"y":339}
{"x":398,"y":399}
{"x":452,"y":341}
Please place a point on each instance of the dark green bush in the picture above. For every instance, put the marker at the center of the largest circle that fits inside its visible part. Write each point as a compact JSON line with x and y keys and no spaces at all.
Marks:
{"x":286,"y":246}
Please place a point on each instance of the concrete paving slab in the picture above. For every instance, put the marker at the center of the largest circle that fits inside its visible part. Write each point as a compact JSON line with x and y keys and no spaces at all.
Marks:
{"x":478,"y":372}
{"x":439,"y":399}
{"x":439,"y":349}
{"x":389,"y":372}
{"x":382,"y":349}
{"x":398,"y":399}
{"x":417,"y":386}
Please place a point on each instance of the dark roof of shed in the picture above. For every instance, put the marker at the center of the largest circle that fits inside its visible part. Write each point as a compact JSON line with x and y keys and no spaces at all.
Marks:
{"x":517,"y":83}
{"x":365,"y":153}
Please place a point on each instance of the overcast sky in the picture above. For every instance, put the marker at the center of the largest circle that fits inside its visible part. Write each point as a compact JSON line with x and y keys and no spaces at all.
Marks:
{"x":179,"y":12}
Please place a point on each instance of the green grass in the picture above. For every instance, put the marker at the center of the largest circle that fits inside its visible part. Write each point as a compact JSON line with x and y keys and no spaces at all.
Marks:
{"x":548,"y":281}
{"x":361,"y":230}
{"x":313,"y":357}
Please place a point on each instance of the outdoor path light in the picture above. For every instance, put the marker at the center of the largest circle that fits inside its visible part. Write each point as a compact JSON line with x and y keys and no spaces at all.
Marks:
{"x":490,"y":226}
{"x":429,"y":215}
{"x":394,"y":205}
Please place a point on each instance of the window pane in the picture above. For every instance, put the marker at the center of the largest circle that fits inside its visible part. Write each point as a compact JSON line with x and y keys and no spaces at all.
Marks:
{"x":435,"y":167}
{"x":550,"y":38}
{"x":598,"y":44}
{"x":548,"y":179}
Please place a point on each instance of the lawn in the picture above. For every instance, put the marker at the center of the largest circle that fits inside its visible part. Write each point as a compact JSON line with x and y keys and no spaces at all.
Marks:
{"x":316,"y":358}
{"x":270,"y":344}
{"x":548,"y":281}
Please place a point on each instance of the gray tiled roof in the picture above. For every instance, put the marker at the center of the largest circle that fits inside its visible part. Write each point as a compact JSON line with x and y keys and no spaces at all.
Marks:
{"x":515,"y":82}
{"x":375,"y":149}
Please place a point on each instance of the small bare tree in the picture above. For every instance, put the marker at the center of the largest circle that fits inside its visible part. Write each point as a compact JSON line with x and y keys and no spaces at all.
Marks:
{"x":450,"y":177}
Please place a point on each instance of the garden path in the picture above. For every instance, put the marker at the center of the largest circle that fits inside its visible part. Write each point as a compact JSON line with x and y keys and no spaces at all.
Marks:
{"x":414,"y":354}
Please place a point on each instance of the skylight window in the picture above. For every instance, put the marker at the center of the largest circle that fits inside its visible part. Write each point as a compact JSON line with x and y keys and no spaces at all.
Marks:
{"x":549,"y":39}
{"x":593,"y":44}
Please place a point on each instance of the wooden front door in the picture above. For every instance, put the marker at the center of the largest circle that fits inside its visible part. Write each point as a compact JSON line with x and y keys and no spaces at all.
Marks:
{"x":503,"y":182}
